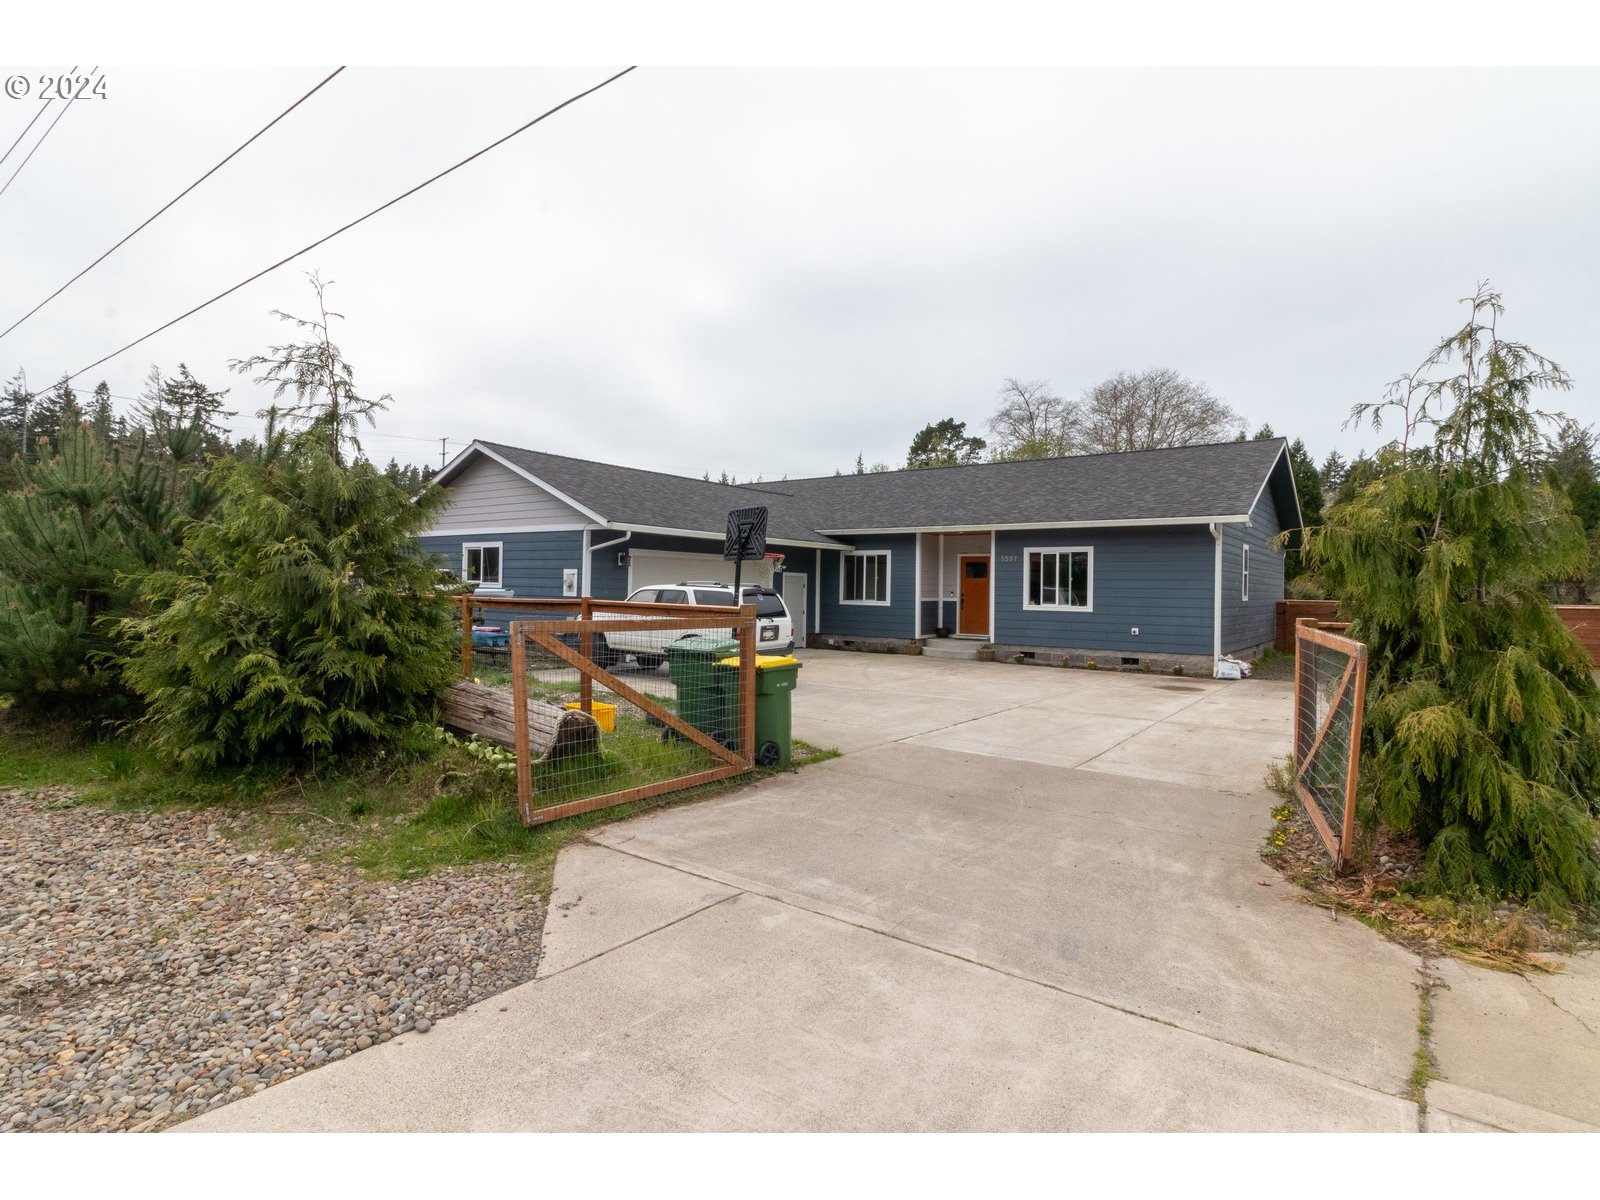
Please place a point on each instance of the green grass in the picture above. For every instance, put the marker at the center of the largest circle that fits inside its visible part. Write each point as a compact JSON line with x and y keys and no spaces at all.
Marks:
{"x":399,"y":813}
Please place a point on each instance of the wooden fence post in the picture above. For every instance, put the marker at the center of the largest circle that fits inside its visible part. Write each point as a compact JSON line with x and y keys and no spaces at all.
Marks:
{"x":586,"y":648}
{"x":466,"y":637}
{"x":747,"y":683}
{"x":1347,"y":841}
{"x":519,"y":701}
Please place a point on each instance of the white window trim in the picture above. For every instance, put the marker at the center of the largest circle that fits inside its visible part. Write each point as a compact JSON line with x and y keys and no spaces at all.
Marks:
{"x":1244,"y":578}
{"x":888,"y":583}
{"x":500,"y":548}
{"x":1029,"y":551}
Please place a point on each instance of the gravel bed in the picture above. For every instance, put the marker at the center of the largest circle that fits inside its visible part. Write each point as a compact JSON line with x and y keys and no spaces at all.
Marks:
{"x":150,"y":969}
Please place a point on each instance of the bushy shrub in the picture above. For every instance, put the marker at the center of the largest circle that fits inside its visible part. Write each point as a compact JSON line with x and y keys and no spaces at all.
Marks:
{"x":300,"y":620}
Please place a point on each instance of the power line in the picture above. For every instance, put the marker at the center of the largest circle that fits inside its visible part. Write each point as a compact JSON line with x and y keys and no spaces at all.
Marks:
{"x":352,"y":224}
{"x":27,"y":127}
{"x":167,"y":205}
{"x":49,"y":129}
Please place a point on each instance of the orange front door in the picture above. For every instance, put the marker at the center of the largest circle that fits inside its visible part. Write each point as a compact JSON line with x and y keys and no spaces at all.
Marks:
{"x":974,"y":616}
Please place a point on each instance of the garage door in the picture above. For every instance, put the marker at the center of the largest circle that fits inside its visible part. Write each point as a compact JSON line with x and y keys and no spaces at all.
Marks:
{"x":663,"y":566}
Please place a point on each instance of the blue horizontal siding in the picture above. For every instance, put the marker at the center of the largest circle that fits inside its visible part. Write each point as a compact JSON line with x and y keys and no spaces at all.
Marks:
{"x":1253,"y":622}
{"x":898,"y":618}
{"x":1158,"y":580}
{"x":607,"y":580}
{"x":531,"y":563}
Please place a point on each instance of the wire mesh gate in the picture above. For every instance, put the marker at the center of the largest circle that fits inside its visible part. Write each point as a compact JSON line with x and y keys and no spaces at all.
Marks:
{"x":1330,"y":685}
{"x":669,"y":689}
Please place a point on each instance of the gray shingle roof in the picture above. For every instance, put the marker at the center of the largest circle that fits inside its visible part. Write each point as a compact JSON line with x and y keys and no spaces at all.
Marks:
{"x":630,"y":496}
{"x":1185,"y":482}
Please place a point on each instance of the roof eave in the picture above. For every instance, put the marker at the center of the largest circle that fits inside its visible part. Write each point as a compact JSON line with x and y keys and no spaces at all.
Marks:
{"x":985,"y":526}
{"x":668,"y":531}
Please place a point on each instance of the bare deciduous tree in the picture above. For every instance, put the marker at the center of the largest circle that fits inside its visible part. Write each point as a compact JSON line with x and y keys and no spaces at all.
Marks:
{"x":1030,"y":422}
{"x":1149,"y":409}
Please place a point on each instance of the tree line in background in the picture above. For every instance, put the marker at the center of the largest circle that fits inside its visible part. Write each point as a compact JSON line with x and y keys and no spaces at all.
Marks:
{"x":167,"y":405}
{"x":232,"y":601}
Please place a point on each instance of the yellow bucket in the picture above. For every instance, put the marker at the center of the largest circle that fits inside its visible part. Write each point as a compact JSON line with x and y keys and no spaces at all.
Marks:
{"x":605,"y":715}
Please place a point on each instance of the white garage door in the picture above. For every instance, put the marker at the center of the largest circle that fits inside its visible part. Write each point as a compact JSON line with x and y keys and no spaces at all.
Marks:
{"x":663,"y":566}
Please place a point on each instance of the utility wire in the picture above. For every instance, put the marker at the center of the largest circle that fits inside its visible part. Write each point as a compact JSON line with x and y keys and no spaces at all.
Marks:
{"x":49,"y":129}
{"x":167,"y":205}
{"x":42,"y":107}
{"x":352,"y":224}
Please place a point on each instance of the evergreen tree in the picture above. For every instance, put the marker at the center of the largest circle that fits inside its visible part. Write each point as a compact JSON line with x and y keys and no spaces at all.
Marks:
{"x":1308,"y":486}
{"x":301,"y":619}
{"x":944,"y":444}
{"x":102,"y":417}
{"x":411,"y":478}
{"x":323,"y":383}
{"x":1332,"y":473}
{"x":1483,"y":719}
{"x":182,"y":415}
{"x":74,"y":540}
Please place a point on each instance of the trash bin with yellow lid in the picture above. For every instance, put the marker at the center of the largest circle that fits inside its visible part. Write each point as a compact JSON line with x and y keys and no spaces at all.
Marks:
{"x":777,"y":676}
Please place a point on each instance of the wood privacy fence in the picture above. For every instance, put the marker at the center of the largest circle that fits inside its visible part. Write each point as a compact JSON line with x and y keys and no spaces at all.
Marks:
{"x":1290,"y":611}
{"x":1582,"y":619}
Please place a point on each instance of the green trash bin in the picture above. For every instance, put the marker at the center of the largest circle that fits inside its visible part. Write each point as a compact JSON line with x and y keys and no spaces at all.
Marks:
{"x":690,"y":661}
{"x":777,"y":676}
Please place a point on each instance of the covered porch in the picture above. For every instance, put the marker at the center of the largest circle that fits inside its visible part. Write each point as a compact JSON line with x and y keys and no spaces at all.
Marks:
{"x":955,"y":585}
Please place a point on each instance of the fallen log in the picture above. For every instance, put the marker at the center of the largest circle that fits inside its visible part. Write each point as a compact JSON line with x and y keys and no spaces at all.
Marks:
{"x":553,"y":731}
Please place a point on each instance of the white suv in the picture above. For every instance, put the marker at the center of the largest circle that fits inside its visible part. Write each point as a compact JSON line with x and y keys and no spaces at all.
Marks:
{"x":774,"y":629}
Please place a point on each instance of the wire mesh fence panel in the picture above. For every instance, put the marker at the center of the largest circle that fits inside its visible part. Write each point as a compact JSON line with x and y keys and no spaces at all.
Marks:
{"x":1330,"y":688}
{"x":619,"y":702}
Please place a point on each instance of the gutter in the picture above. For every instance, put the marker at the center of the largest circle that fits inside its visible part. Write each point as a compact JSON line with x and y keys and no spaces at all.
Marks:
{"x":1216,"y":596}
{"x":588,"y":551}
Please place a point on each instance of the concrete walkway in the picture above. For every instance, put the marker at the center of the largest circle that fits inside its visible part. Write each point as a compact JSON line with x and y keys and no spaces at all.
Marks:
{"x":1026,"y":898}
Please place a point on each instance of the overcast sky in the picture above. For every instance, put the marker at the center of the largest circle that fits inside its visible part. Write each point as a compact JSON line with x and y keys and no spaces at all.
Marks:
{"x":773,"y":270}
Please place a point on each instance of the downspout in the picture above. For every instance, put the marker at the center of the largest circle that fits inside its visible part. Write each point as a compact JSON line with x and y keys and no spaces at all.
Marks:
{"x":1216,"y":597}
{"x":588,"y":550}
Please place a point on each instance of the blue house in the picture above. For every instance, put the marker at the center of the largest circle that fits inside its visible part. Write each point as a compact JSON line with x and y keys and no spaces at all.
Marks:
{"x":1159,"y":556}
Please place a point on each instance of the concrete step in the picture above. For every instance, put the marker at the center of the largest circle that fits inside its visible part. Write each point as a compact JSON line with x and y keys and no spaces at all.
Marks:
{"x":950,"y":648}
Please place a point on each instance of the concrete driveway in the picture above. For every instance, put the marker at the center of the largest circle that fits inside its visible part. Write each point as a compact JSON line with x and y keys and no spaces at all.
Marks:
{"x":1025,"y":898}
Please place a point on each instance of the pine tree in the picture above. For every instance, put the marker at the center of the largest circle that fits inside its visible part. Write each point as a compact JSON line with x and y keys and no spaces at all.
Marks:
{"x":1332,"y":473}
{"x":1308,"y":486}
{"x":182,"y":415}
{"x":1483,"y":720}
{"x":87,"y":523}
{"x":102,"y":417}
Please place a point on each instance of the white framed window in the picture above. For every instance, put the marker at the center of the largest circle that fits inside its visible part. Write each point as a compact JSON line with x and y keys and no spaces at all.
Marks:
{"x":864,"y":577}
{"x":480,"y":563}
{"x":1244,"y":581}
{"x":1058,"y":578}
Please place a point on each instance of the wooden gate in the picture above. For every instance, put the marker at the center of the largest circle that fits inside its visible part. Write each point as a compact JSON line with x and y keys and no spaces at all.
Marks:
{"x":1330,"y":686}
{"x":660,"y":730}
